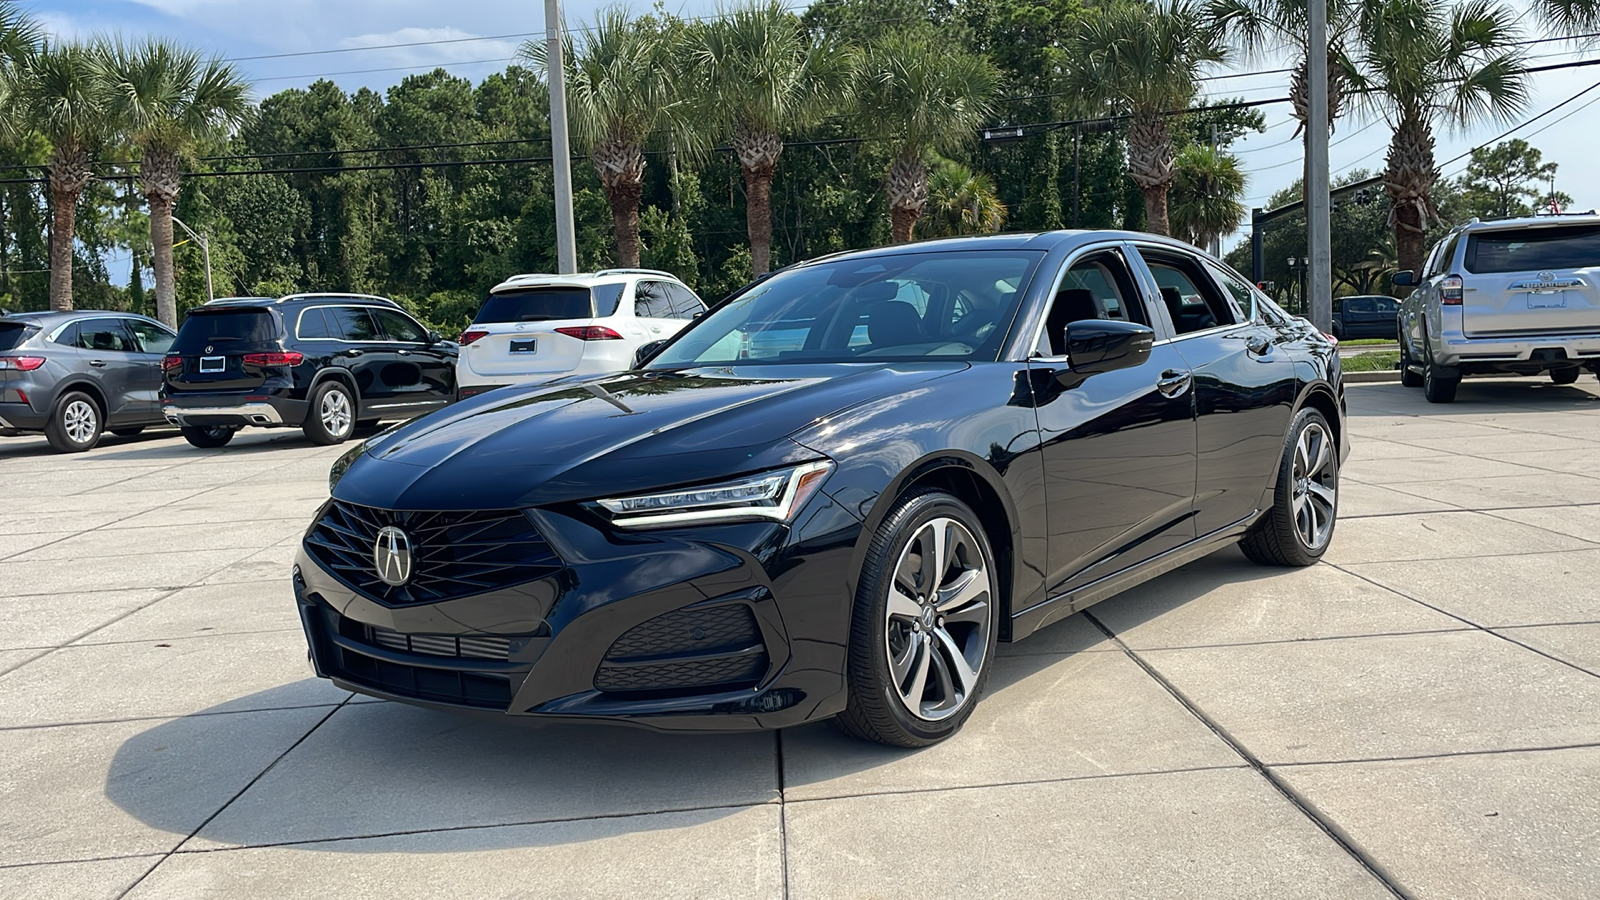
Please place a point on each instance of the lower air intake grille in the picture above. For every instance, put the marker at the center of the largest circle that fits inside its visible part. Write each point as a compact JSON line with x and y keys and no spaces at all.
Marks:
{"x":454,"y":554}
{"x":687,"y":650}
{"x":441,"y":644}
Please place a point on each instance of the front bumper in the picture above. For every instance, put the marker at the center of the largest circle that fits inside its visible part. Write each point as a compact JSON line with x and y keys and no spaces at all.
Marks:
{"x":203,"y":410}
{"x":732,"y":627}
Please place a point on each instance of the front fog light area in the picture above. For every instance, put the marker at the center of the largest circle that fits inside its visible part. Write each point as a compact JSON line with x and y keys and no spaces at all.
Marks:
{"x":774,"y":495}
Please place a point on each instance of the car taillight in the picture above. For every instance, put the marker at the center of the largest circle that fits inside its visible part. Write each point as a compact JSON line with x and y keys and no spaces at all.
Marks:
{"x":21,"y":363}
{"x":168,"y":363}
{"x":1451,"y":290}
{"x":468,"y":337}
{"x":590,"y":333}
{"x":290,"y":358}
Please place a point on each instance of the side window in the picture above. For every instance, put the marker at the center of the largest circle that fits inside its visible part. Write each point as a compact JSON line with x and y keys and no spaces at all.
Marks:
{"x":1243,"y":296}
{"x":152,"y":337}
{"x":104,"y":335}
{"x":1440,"y":263}
{"x":650,"y":300}
{"x":314,"y":325}
{"x":353,"y":323}
{"x":1386,"y":304}
{"x":399,"y":326}
{"x":685,"y":305}
{"x":68,"y":336}
{"x":606,"y":298}
{"x":1190,"y":300}
{"x":1095,"y":287}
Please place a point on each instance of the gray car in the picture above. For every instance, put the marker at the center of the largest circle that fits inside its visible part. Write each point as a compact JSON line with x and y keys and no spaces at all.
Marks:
{"x":76,"y":375}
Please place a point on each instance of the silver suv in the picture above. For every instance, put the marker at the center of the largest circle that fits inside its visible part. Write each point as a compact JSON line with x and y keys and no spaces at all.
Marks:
{"x":1515,"y":296}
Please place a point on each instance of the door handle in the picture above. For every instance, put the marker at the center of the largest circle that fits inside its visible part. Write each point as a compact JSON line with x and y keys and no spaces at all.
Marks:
{"x":1173,"y":383}
{"x":98,"y":363}
{"x":405,"y":352}
{"x":352,"y":353}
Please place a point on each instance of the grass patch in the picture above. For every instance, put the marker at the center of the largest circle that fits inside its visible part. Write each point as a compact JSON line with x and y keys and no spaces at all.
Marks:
{"x":1366,"y":342}
{"x":1372,"y":362}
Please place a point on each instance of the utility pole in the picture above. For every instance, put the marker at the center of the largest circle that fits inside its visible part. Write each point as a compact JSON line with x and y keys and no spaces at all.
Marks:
{"x":1319,"y":204}
{"x":556,"y":76}
{"x":1216,"y":243}
{"x":1077,"y":191}
{"x":205,"y":250}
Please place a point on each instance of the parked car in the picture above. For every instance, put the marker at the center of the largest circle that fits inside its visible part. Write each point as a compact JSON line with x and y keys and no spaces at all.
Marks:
{"x":75,"y":375}
{"x":845,"y":527}
{"x":1365,"y":316}
{"x":540,"y":327}
{"x":325,"y":363}
{"x":1516,"y":296}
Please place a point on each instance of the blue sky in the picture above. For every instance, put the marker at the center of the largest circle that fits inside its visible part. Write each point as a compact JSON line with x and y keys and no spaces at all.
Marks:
{"x":238,"y":29}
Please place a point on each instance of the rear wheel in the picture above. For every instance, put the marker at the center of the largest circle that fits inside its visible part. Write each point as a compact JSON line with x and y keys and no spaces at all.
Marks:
{"x":208,"y":437}
{"x":1436,"y":386}
{"x":332,"y":416}
{"x":924,"y":626}
{"x":1564,"y":376}
{"x":75,"y":424}
{"x":1297,"y":529}
{"x":1408,"y":378}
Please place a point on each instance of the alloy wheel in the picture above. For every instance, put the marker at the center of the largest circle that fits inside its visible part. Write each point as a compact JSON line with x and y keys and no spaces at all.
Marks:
{"x":335,"y":412}
{"x":1316,"y":486}
{"x":937,"y":633}
{"x":80,"y":421}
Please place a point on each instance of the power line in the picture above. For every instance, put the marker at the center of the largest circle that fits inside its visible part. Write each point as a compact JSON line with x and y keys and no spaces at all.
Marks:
{"x":319,"y":75}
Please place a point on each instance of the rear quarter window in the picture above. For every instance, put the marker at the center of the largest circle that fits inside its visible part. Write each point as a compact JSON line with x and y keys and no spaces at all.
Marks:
{"x":540,"y":304}
{"x":12,"y":334}
{"x":1533,"y":249}
{"x":225,"y":329}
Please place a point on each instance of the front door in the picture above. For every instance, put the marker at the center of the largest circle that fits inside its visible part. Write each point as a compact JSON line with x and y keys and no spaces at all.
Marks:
{"x":152,"y":342}
{"x":1118,"y":447}
{"x":422,"y":373}
{"x":112,"y":359}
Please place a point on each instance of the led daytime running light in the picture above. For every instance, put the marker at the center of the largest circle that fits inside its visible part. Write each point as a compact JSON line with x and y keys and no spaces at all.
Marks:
{"x":770,"y":495}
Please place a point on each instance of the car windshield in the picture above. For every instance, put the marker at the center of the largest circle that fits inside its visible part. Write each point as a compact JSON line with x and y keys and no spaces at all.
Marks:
{"x":538,"y":304}
{"x":1533,"y":249}
{"x":948,"y":305}
{"x":12,"y":334}
{"x":225,"y":329}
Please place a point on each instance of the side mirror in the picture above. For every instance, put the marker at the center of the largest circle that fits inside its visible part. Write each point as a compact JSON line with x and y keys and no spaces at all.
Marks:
{"x":1404,"y":278}
{"x":435,"y":337}
{"x":1103,"y":345}
{"x":645,"y":351}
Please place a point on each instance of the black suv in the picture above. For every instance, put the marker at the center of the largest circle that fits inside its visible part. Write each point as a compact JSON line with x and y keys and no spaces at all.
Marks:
{"x":326,"y":363}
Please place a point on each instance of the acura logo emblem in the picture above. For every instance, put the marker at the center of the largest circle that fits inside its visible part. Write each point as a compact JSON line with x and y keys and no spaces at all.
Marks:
{"x":391,"y":555}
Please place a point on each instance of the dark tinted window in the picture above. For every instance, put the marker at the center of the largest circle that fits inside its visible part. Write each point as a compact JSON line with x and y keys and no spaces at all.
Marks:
{"x":225,"y":329}
{"x":67,"y":336}
{"x":152,"y":338}
{"x":1445,"y":258}
{"x":1190,"y":300}
{"x":685,"y":305}
{"x":537,"y":304}
{"x":104,"y":335}
{"x":1386,"y":304}
{"x":651,"y":300}
{"x":399,"y":327}
{"x":1358,"y":305}
{"x":314,"y":324}
{"x":607,"y":297}
{"x":12,"y":334}
{"x":352,"y":322}
{"x":1534,"y":249}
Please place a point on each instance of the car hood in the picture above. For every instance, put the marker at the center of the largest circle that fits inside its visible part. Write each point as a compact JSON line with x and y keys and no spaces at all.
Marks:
{"x":579,"y":439}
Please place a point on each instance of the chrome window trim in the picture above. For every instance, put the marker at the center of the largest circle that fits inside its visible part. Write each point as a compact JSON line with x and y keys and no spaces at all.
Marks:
{"x":1061,"y":272}
{"x":300,"y":315}
{"x":1173,"y":335}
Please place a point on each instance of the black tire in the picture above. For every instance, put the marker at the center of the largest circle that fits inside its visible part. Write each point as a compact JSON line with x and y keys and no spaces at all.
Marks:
{"x":128,"y":432}
{"x":75,"y":424}
{"x":1564,"y":376}
{"x":331,"y":415}
{"x":1437,"y":387}
{"x":1408,"y":377}
{"x":1279,"y":537}
{"x":877,"y":710}
{"x":208,"y":437}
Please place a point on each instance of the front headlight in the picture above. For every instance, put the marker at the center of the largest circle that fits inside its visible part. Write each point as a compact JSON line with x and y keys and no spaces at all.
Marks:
{"x":774,"y":495}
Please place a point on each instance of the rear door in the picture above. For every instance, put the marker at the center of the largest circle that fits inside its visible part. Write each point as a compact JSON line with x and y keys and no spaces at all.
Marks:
{"x":522,"y":329}
{"x":363,"y":351}
{"x":685,"y":305}
{"x":422,"y":373}
{"x":212,"y":343}
{"x":653,"y":307}
{"x":1357,"y":316}
{"x":1538,"y":279}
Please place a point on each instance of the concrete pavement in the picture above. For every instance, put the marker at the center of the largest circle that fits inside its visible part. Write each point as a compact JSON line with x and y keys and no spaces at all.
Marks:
{"x":1418,"y":716}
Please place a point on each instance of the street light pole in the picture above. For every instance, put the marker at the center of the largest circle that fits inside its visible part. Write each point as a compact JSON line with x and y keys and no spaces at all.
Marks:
{"x":205,"y":250}
{"x":556,"y":76}
{"x":1319,"y":203}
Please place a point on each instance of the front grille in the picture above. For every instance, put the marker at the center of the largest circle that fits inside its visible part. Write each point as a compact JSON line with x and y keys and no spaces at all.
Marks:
{"x":686,"y":650}
{"x":454,"y":554}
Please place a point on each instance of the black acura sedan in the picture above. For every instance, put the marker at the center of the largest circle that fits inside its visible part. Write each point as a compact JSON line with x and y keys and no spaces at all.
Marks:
{"x":832,"y":494}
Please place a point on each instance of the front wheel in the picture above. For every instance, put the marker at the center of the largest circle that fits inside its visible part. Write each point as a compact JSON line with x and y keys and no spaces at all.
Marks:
{"x":332,"y":417}
{"x":208,"y":437}
{"x":75,"y":423}
{"x":1297,"y":529}
{"x":924,"y":626}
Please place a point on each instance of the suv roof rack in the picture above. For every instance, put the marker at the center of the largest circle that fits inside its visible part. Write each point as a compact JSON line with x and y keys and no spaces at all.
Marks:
{"x":636,"y":272}
{"x":339,"y":295}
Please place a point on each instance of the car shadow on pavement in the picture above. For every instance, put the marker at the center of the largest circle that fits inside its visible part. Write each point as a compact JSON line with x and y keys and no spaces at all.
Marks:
{"x":1497,"y":395}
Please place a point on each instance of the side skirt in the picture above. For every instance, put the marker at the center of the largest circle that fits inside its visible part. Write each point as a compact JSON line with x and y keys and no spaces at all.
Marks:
{"x":1057,"y":608}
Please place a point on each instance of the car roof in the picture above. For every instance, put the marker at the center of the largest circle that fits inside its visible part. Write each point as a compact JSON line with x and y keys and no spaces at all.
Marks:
{"x":64,"y":315}
{"x":1589,"y":217}
{"x":1042,"y":241}
{"x":582,"y":279}
{"x":360,"y":299}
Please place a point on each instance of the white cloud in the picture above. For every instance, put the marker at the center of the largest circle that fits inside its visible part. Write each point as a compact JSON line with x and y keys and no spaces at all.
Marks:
{"x":435,"y":46}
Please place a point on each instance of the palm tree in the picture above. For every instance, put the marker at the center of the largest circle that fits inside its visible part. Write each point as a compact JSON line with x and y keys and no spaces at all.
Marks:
{"x":921,"y":95}
{"x":166,"y":98}
{"x":961,"y":201}
{"x":58,"y":96}
{"x":1264,"y":28}
{"x":762,"y":74}
{"x":1143,"y":62}
{"x":622,"y":91}
{"x":1425,"y":63}
{"x":1206,"y":196}
{"x":1570,"y":16}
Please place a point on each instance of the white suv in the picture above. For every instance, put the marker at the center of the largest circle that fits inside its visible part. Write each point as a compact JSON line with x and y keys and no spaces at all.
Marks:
{"x":541,"y":327}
